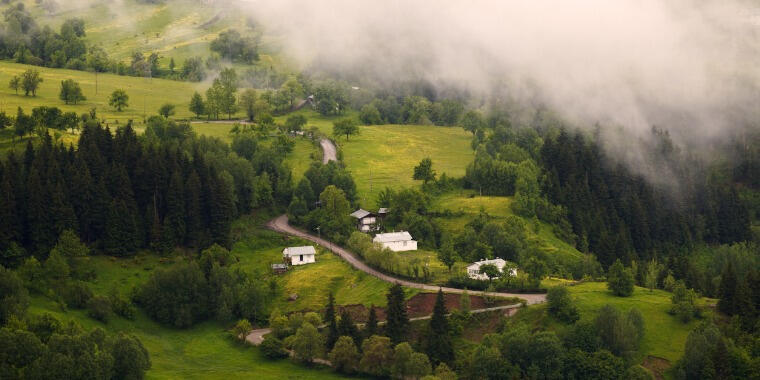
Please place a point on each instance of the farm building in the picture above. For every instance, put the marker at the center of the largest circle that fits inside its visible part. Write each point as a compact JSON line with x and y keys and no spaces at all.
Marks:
{"x":299,"y":255}
{"x":279,"y":268}
{"x":473,"y":270}
{"x":365,"y":220}
{"x":396,"y":241}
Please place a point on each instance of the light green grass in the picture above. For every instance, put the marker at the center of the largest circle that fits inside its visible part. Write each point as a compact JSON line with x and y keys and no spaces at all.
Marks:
{"x":385,"y":155}
{"x":664,"y":335}
{"x":145,"y":95}
{"x":304,"y":153}
{"x":205,"y":351}
{"x":469,"y":204}
{"x":218,"y":130}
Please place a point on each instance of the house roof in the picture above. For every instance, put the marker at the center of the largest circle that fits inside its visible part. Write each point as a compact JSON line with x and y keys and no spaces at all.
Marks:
{"x":295,"y":251}
{"x":360,"y":213}
{"x":279,"y":266}
{"x":392,"y":236}
{"x":497,"y":262}
{"x":382,"y":210}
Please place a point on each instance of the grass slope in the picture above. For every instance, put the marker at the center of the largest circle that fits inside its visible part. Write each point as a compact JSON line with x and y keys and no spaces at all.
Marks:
{"x":205,"y":351}
{"x":466,"y":205}
{"x":665,"y":335}
{"x":145,"y":95}
{"x":385,"y":155}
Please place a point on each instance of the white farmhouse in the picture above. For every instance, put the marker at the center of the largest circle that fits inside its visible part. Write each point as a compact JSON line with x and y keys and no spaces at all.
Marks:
{"x":473,"y":270}
{"x":365,"y":220}
{"x":299,"y":255}
{"x":396,"y":241}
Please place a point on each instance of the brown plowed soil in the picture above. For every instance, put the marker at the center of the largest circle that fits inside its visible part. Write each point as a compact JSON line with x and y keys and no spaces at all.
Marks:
{"x":421,"y":305}
{"x":657,"y":366}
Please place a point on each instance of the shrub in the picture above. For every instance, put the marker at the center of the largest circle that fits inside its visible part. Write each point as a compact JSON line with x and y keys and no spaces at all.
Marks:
{"x":99,"y":308}
{"x":76,"y":294}
{"x":561,"y":305}
{"x":273,"y":348}
{"x":620,"y":280}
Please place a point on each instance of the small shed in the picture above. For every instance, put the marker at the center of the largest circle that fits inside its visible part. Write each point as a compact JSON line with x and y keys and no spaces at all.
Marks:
{"x":299,"y":255}
{"x":396,"y":241}
{"x":365,"y":220}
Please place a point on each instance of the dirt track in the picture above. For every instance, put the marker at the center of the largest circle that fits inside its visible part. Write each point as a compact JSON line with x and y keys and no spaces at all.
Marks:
{"x":281,"y":225}
{"x":329,"y":152}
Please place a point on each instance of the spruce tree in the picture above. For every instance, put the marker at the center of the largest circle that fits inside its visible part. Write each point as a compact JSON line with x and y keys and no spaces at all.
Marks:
{"x":727,"y":290}
{"x":439,"y":346}
{"x":371,"y":327}
{"x":193,"y":212}
{"x":121,"y":233}
{"x":346,"y":327}
{"x":174,"y":222}
{"x":332,"y":325}
{"x":9,"y":220}
{"x":221,"y":211}
{"x":397,"y":320}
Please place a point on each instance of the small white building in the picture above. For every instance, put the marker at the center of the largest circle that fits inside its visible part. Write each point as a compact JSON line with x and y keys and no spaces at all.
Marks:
{"x":299,"y":255}
{"x":366,"y":221}
{"x":396,"y":241}
{"x":473,"y":270}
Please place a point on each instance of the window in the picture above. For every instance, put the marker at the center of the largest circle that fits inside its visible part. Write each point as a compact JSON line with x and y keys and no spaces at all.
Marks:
{"x":404,"y":243}
{"x":300,"y":258}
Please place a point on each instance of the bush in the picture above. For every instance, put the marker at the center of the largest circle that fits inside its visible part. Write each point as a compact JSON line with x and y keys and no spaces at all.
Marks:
{"x":561,"y":305}
{"x":273,"y":348}
{"x":620,"y":279}
{"x":122,"y":306}
{"x":99,"y":308}
{"x":76,"y":294}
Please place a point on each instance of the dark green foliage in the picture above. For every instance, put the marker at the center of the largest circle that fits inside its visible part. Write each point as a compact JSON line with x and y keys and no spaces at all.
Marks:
{"x":99,"y":307}
{"x":396,"y":318}
{"x":371,"y":327}
{"x":176,"y":296}
{"x":424,"y":171}
{"x":231,"y":45}
{"x":684,"y":300}
{"x":619,"y":333}
{"x":561,"y":305}
{"x":131,"y":359}
{"x":331,"y":321}
{"x":727,"y":290}
{"x":346,"y":327}
{"x":76,"y":294}
{"x":345,"y":127}
{"x":14,"y":298}
{"x":439,"y":345}
{"x":273,"y":348}
{"x":620,"y":280}
{"x":710,"y":355}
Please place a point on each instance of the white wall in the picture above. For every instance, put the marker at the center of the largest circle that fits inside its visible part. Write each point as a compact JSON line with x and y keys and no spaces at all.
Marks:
{"x":399,"y":246}
{"x":307,"y":259}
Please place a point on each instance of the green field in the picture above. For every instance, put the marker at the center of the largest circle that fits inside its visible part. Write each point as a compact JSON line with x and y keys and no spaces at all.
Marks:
{"x":665,"y":335}
{"x":145,"y":95}
{"x":469,"y":205}
{"x":206,"y":351}
{"x":385,"y":155}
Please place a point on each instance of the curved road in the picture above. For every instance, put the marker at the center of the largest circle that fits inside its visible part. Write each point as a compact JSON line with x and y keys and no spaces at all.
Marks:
{"x":281,"y":225}
{"x":329,"y":152}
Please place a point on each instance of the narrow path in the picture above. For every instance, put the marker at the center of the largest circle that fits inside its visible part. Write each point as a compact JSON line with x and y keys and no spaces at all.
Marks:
{"x":329,"y":151}
{"x":256,"y":337}
{"x":281,"y":225}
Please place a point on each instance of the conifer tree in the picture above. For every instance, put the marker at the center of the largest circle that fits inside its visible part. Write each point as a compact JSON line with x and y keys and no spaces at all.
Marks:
{"x":121,"y":232}
{"x":221,"y":211}
{"x":10,"y":222}
{"x":193,"y":209}
{"x":439,"y":346}
{"x":397,"y":320}
{"x":727,"y":290}
{"x":371,"y":326}
{"x":346,"y":327}
{"x":332,"y":325}
{"x":174,"y":222}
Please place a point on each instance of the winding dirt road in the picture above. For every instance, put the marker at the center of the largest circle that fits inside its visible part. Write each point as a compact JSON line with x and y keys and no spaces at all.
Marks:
{"x":329,"y":152}
{"x":281,"y":225}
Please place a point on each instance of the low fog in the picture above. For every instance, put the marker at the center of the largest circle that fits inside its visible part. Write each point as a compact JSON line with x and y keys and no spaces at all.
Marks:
{"x":691,"y":67}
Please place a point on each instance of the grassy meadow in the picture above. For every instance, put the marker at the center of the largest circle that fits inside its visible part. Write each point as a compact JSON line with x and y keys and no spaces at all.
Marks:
{"x":385,"y":155}
{"x":466,"y":205}
{"x":664,"y":335}
{"x":145,"y":95}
